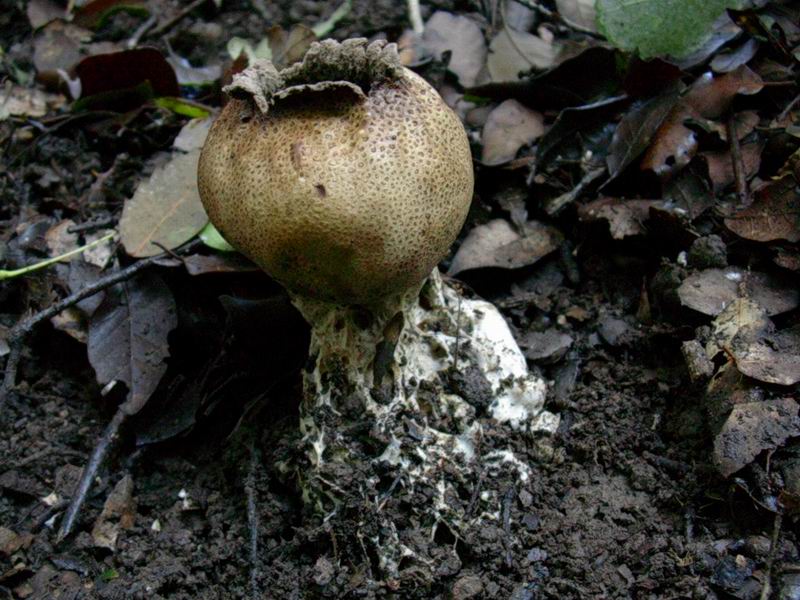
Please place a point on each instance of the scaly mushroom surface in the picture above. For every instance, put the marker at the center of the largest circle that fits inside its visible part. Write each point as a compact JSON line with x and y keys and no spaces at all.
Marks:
{"x":346,"y":178}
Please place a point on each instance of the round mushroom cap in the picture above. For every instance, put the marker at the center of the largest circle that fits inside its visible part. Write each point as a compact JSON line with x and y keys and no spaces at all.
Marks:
{"x":345,"y":191}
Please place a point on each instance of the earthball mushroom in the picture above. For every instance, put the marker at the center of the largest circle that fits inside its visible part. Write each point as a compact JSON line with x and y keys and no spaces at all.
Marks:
{"x":346,"y":178}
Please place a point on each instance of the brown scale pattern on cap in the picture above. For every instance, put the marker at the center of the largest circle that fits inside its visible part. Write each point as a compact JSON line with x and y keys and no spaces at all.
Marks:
{"x":337,"y":195}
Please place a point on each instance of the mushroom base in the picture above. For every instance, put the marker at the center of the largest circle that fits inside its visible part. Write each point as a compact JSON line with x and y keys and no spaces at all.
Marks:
{"x":395,"y":419}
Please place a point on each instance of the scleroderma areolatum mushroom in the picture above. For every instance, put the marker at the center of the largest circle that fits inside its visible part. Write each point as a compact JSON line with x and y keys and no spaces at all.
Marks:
{"x":346,"y":178}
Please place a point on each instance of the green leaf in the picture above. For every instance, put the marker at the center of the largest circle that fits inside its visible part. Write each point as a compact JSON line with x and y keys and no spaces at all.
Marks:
{"x":212,"y":238}
{"x":184,"y":107}
{"x":660,"y":27}
{"x":109,"y":575}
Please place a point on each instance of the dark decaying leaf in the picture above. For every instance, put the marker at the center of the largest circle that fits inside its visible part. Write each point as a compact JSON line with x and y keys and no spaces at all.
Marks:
{"x":498,"y":244}
{"x":725,"y":62}
{"x":689,"y":192}
{"x":576,"y":81}
{"x":711,"y":290}
{"x":720,"y":165}
{"x":509,"y":127}
{"x":125,"y":70}
{"x":751,"y":428}
{"x":636,"y":130}
{"x":572,"y":121}
{"x":625,"y":217}
{"x":128,"y":337}
{"x":709,"y":97}
{"x":773,"y":215}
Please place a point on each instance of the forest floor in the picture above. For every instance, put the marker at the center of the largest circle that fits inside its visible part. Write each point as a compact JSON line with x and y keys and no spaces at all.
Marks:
{"x":655,"y":486}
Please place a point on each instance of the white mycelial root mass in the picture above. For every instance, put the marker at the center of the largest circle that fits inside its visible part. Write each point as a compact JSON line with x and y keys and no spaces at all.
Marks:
{"x":396,"y":409}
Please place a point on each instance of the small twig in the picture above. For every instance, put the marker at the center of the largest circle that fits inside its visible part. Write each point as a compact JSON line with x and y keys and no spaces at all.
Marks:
{"x":738,"y":164}
{"x":415,"y":16}
{"x":252,"y":520}
{"x":91,"y":225}
{"x":389,"y":492}
{"x":534,"y":5}
{"x":90,"y":472}
{"x":39,"y":522}
{"x":23,"y":328}
{"x":789,"y":107}
{"x":555,"y":205}
{"x":169,"y":23}
{"x":508,"y":499}
{"x":133,"y":41}
{"x":458,"y":335}
{"x":473,"y":500}
{"x":776,"y":532}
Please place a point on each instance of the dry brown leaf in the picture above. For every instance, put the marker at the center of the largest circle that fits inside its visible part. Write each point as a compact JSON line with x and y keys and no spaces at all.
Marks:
{"x":720,"y":165}
{"x":58,"y":45}
{"x":289,"y":47}
{"x":60,"y":241}
{"x":119,"y":512}
{"x":751,"y":428}
{"x":513,"y":52}
{"x":578,"y":12}
{"x":165,"y":209}
{"x":509,"y":127}
{"x":19,"y":101}
{"x":463,"y":38}
{"x":625,"y":217}
{"x":773,"y":215}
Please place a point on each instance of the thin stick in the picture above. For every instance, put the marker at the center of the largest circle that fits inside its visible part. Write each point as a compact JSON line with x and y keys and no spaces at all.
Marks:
{"x":555,"y":205}
{"x":252,"y":520}
{"x":90,"y":472}
{"x":773,"y":545}
{"x":168,"y":24}
{"x":738,"y":164}
{"x":415,"y":16}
